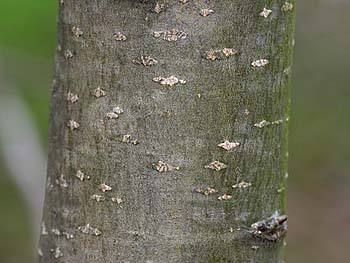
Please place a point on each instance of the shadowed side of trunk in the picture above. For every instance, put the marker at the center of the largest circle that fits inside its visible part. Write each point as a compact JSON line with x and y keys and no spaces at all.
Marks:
{"x":168,"y":131}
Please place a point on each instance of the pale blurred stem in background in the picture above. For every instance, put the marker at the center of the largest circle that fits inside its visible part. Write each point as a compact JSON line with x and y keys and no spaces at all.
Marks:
{"x":21,"y":149}
{"x":151,"y":212}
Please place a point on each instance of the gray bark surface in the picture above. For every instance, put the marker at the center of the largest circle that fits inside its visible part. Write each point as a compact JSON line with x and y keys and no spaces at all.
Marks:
{"x":162,"y":218}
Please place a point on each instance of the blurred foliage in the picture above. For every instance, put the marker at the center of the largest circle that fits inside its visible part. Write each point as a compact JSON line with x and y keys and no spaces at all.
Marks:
{"x":320,"y":123}
{"x":15,"y":233}
{"x":318,"y":191}
{"x":27,"y":44}
{"x":28,"y":26}
{"x":32,"y":77}
{"x":319,"y":145}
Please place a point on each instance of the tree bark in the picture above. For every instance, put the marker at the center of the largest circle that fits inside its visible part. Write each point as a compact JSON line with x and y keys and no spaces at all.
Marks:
{"x":157,"y":153}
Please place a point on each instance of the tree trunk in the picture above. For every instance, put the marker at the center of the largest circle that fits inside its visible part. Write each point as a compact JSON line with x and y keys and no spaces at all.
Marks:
{"x":158,"y":89}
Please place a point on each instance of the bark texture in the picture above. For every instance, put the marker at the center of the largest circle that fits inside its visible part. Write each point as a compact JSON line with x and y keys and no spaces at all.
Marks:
{"x":162,"y":218}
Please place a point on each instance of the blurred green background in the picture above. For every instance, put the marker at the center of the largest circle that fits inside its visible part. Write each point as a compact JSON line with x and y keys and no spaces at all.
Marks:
{"x":318,"y":193}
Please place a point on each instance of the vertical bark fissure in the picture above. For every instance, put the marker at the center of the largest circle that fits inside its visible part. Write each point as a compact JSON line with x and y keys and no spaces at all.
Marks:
{"x":178,"y":123}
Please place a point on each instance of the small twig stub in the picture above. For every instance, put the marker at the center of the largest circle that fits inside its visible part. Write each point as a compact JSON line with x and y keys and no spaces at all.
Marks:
{"x":270,"y":229}
{"x":216,"y":165}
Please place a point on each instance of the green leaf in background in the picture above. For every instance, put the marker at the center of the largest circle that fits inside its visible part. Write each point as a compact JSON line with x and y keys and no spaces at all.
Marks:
{"x":28,"y":26}
{"x":27,"y":44}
